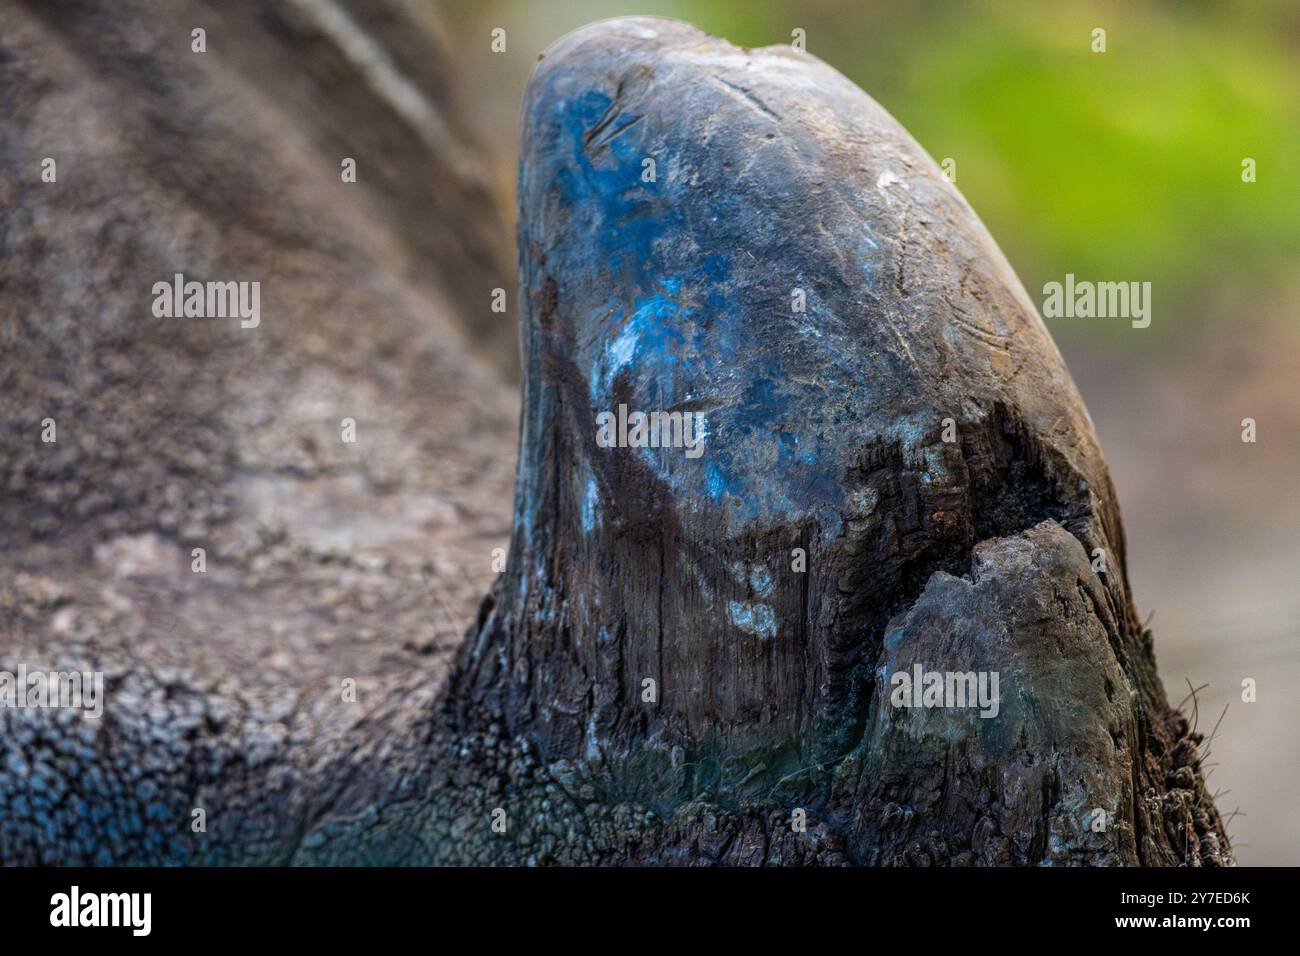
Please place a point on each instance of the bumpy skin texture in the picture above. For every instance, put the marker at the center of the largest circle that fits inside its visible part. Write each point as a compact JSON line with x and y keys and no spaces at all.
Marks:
{"x":824,"y":433}
{"x":325,"y":561}
{"x":778,"y":183}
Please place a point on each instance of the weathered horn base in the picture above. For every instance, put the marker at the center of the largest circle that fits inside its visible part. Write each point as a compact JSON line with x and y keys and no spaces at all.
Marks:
{"x":928,"y":789}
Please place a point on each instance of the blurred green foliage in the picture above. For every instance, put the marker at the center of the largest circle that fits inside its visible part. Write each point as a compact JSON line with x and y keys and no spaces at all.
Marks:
{"x":1123,"y":165}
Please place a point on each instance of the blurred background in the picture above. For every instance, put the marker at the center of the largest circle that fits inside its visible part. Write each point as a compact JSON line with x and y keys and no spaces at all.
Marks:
{"x":1122,"y":165}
